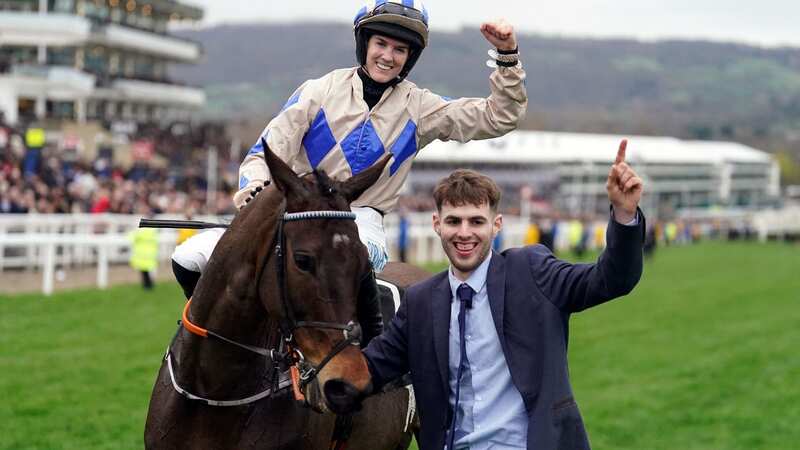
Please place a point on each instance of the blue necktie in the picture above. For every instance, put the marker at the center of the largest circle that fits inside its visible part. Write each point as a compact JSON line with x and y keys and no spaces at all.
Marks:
{"x":464,"y":294}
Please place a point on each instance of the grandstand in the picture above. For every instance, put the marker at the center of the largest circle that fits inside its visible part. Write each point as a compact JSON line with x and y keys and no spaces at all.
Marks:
{"x":569,"y":170}
{"x":84,"y":60}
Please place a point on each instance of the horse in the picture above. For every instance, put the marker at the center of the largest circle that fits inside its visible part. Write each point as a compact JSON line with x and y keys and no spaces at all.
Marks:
{"x":266,"y":355}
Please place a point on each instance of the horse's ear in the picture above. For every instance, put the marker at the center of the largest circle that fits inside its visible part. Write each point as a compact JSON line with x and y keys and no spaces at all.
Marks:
{"x":282,"y":175}
{"x":355,"y":186}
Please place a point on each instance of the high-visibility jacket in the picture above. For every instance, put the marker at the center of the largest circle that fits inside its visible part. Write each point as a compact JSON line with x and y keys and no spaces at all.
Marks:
{"x":144,"y":249}
{"x":532,"y":235}
{"x":184,"y":234}
{"x":327,"y":125}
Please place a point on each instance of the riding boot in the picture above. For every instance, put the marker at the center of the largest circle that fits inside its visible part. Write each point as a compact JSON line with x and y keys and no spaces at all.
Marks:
{"x":186,"y":278}
{"x":368,"y":309}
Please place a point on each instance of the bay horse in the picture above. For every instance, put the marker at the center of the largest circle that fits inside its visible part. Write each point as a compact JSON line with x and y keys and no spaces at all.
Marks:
{"x":279,"y":293}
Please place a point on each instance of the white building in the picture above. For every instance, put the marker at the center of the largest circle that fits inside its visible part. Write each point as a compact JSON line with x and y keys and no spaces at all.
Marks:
{"x":94,"y":59}
{"x":571,"y":169}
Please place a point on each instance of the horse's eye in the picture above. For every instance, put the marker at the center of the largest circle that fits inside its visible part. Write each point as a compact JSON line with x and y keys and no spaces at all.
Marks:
{"x":304,"y":262}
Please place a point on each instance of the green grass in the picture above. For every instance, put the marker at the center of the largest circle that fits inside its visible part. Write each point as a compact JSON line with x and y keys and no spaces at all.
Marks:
{"x":77,"y":368}
{"x":703,"y":355}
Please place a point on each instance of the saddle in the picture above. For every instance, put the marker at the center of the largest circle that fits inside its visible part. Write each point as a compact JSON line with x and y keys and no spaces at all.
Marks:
{"x":389,"y":295}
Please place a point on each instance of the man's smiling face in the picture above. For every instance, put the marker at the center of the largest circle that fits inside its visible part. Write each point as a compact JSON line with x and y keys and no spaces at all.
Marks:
{"x":466,"y":232}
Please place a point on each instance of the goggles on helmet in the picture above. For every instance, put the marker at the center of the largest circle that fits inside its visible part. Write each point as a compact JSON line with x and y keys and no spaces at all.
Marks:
{"x":397,"y":9}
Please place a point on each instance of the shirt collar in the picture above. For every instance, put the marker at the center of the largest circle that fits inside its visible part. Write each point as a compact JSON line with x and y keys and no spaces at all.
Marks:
{"x":476,"y":280}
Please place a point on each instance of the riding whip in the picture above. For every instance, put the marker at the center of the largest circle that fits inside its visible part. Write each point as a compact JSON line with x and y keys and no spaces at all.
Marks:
{"x":186,"y":224}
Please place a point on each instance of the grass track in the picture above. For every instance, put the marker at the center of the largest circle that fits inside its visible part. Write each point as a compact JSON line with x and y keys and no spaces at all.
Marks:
{"x":703,"y":355}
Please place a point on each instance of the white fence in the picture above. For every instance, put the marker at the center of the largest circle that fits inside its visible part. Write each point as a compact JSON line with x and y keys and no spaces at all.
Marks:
{"x":98,"y":240}
{"x":777,"y":224}
{"x":48,"y":242}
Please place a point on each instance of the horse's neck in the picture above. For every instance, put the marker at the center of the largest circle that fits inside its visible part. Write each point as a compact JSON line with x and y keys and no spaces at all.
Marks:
{"x":218,"y":369}
{"x":227,"y":296}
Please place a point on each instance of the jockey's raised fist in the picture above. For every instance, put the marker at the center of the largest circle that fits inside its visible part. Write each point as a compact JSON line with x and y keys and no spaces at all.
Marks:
{"x":500,"y":34}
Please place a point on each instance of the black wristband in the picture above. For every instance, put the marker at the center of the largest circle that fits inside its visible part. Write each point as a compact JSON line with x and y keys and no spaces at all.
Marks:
{"x":506,"y":64}
{"x":508,"y":52}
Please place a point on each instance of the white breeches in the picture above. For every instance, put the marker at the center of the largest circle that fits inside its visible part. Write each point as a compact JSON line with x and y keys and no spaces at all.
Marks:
{"x":194,"y":253}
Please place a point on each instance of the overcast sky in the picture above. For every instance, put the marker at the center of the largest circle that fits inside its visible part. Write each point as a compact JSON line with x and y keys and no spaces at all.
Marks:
{"x":763,"y":22}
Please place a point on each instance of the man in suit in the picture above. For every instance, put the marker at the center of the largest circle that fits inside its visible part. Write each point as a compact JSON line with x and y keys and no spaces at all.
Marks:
{"x":486,"y":340}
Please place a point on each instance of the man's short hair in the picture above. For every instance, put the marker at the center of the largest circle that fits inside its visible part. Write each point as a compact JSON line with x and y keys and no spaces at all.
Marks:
{"x":465,"y":186}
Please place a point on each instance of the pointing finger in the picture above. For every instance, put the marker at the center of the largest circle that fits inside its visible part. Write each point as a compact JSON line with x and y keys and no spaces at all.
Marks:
{"x":621,"y":152}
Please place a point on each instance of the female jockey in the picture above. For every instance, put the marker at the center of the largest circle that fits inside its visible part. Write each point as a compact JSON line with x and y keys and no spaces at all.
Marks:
{"x":345,"y":121}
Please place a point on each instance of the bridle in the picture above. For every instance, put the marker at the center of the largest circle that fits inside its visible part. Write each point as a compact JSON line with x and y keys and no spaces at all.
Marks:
{"x":287,"y":354}
{"x":288,"y":323}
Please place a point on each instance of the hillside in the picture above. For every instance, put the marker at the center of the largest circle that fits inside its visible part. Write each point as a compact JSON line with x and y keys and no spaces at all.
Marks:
{"x":691,"y":89}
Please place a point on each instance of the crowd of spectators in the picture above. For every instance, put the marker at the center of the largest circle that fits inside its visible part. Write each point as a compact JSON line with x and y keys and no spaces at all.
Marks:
{"x":53,"y":179}
{"x":49,"y":177}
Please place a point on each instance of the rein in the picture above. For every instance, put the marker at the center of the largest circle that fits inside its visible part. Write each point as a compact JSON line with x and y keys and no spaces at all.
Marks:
{"x":301,"y":371}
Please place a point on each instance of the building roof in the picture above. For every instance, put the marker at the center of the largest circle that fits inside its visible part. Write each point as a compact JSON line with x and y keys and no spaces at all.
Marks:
{"x":544,"y":147}
{"x":185,"y":10}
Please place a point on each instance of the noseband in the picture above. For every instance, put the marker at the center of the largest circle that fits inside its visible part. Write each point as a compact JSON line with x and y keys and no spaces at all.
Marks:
{"x":287,"y":353}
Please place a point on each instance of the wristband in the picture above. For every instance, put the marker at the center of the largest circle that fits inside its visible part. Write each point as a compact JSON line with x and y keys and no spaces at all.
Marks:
{"x":503,"y":58}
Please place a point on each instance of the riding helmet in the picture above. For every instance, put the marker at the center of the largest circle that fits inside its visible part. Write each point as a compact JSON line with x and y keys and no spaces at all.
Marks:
{"x":404,"y":20}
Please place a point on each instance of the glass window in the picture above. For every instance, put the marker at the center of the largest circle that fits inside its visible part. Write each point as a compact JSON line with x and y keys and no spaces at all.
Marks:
{"x":131,"y":18}
{"x":64,"y":6}
{"x":146,"y":22}
{"x":129,"y":66}
{"x":96,"y":60}
{"x":97,"y":10}
{"x":60,"y":110}
{"x":144,"y":67}
{"x":116,"y":15}
{"x":22,"y":55}
{"x":19,"y":5}
{"x":64,"y":56}
{"x":160,"y":25}
{"x":113,"y":63}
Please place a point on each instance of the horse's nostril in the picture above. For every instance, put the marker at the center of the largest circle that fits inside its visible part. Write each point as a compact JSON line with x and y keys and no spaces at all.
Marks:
{"x":342,"y":397}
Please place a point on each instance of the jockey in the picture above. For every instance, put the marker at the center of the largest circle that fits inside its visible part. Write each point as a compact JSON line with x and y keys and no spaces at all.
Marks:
{"x":346,"y":120}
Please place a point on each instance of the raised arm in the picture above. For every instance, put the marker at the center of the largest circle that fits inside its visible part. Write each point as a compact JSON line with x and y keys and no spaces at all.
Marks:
{"x":574,"y":287}
{"x":624,"y":187}
{"x":465,"y":119}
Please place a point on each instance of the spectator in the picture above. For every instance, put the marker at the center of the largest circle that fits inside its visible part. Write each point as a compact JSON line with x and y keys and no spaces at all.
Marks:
{"x":402,"y":238}
{"x":144,"y":252}
{"x":532,"y":234}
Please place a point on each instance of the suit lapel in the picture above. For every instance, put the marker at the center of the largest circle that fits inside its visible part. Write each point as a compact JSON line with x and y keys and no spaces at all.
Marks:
{"x":440,"y":312}
{"x":496,"y":289}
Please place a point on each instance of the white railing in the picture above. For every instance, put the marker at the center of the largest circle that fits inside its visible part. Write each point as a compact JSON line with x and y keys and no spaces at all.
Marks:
{"x":32,"y":29}
{"x":55,"y":241}
{"x":104,"y":250}
{"x":114,"y":35}
{"x":767,"y":224}
{"x":22,"y":237}
{"x":46,"y":241}
{"x":777,"y":223}
{"x":161,"y":93}
{"x":97,"y":240}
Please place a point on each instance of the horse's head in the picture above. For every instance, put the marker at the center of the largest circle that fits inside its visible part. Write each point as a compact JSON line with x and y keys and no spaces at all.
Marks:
{"x":318,"y":271}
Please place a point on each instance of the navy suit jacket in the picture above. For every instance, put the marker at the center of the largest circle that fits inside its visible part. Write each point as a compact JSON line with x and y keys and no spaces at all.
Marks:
{"x":531,"y":296}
